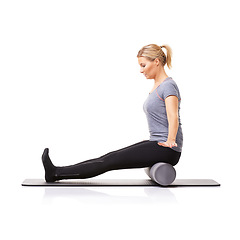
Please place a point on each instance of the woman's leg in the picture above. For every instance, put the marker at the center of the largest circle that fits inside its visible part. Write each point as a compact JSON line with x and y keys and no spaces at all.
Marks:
{"x":69,"y":172}
{"x":140,"y":155}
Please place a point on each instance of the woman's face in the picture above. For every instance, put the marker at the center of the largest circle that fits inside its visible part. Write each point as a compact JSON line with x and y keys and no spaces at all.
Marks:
{"x":148,"y":68}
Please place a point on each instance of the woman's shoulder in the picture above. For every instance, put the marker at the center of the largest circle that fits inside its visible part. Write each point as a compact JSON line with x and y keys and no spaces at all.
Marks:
{"x":169,"y":87}
{"x":169,"y":82}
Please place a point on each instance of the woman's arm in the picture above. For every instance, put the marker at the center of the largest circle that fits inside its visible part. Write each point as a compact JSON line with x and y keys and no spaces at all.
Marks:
{"x":171,"y":103}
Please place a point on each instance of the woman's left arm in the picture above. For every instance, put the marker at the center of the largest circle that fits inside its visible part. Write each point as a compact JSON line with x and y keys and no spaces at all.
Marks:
{"x":171,"y":103}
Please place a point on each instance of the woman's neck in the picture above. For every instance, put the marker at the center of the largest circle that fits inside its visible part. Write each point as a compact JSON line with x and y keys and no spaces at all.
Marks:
{"x":160,"y":77}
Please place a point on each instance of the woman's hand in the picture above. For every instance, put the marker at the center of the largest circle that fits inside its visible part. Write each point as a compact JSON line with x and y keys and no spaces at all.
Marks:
{"x":168,"y":143}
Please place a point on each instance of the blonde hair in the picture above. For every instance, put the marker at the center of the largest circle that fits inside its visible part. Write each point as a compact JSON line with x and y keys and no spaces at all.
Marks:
{"x":153,"y":51}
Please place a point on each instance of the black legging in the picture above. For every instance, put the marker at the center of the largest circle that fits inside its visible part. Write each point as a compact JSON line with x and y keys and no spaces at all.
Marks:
{"x":140,"y":155}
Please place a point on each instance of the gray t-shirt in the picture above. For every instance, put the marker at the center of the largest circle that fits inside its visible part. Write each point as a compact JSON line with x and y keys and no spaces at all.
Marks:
{"x":155,"y":110}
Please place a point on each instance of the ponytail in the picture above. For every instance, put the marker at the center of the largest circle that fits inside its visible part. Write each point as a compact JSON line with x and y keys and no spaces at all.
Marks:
{"x":169,"y":55}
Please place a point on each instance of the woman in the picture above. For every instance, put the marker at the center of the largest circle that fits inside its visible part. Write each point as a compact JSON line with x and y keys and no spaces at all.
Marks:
{"x":162,"y":111}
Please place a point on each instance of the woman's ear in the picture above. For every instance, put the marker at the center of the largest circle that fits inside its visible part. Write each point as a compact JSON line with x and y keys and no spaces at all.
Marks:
{"x":157,"y":62}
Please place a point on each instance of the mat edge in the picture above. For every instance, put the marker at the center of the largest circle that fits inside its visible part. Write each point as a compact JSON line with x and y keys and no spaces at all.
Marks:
{"x":152,"y":184}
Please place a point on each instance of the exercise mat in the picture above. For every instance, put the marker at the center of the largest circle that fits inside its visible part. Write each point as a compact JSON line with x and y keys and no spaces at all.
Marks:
{"x":119,"y":182}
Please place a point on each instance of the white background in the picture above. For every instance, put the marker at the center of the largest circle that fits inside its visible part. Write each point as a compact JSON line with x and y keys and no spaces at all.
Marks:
{"x":70,"y":81}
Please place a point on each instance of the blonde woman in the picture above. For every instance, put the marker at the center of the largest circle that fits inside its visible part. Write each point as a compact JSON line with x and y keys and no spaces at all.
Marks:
{"x":162,"y":111}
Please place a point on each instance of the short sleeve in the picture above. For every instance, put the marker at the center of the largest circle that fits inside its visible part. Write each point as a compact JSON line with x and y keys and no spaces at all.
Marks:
{"x":170,"y":89}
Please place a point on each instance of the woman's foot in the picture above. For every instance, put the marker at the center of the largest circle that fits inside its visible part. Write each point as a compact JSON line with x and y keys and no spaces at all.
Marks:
{"x":50,"y":169}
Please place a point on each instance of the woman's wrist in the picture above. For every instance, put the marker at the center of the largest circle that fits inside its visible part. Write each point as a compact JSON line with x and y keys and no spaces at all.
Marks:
{"x":171,"y":140}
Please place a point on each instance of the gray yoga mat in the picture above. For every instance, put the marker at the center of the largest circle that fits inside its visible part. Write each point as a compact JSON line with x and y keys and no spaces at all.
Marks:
{"x":119,"y":182}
